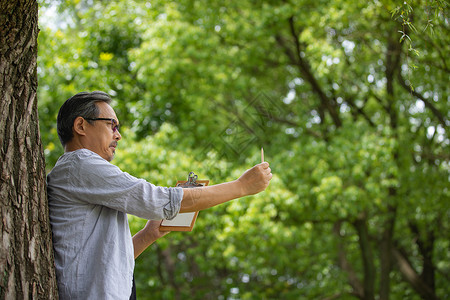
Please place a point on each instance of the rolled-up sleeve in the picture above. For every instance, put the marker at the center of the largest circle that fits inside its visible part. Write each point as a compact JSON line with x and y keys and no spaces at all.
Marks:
{"x":174,"y":205}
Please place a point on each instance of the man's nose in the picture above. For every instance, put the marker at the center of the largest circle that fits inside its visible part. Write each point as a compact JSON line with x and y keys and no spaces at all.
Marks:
{"x":117,"y":136}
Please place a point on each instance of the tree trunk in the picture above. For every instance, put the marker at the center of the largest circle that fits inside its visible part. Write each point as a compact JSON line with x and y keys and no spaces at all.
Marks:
{"x":26,"y":253}
{"x":386,"y":252}
{"x":425,"y":242}
{"x":344,"y":264}
{"x":367,"y":258}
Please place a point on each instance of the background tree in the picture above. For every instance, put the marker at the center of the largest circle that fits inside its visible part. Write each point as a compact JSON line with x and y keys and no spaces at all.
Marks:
{"x":349,"y":100}
{"x":26,"y":253}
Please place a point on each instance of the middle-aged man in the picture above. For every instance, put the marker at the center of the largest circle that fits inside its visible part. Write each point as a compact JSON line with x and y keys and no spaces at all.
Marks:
{"x":89,"y":199}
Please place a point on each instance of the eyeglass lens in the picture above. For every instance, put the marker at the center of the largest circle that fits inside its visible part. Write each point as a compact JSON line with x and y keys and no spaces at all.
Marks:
{"x":114,"y":125}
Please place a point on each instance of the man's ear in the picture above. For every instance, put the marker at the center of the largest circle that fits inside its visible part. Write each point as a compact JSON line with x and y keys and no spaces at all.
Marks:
{"x":79,"y":126}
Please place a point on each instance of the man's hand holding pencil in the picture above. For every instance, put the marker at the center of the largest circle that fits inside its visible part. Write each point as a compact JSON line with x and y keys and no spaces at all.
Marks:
{"x":256,"y":179}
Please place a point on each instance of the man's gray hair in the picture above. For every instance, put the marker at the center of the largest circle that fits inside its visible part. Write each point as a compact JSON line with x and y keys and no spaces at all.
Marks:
{"x":79,"y":105}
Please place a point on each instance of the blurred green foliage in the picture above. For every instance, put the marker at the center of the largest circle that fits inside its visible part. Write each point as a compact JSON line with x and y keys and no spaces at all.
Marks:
{"x":350,"y":101}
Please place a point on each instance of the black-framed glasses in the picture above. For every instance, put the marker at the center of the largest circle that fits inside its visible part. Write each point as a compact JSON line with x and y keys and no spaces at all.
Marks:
{"x":114,"y":126}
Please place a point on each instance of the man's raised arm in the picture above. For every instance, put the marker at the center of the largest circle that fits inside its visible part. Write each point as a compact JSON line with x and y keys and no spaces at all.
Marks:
{"x":253,"y":181}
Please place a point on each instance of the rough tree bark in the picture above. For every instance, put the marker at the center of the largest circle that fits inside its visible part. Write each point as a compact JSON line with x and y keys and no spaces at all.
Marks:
{"x":26,"y":253}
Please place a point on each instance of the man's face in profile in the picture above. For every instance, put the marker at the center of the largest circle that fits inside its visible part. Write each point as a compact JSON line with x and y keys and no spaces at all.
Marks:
{"x":102,"y":135}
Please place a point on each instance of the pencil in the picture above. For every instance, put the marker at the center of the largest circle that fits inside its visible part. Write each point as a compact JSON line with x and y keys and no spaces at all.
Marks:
{"x":262,"y":155}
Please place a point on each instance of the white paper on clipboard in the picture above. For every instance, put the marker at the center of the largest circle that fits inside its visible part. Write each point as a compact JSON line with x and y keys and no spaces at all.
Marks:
{"x":182,"y":219}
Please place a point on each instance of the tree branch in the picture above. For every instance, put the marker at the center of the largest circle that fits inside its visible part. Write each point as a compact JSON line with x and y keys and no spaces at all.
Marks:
{"x":425,"y":243}
{"x":359,"y":111}
{"x":411,"y":276}
{"x":441,"y":118}
{"x":353,"y":279}
{"x":379,"y":100}
{"x":305,"y":69}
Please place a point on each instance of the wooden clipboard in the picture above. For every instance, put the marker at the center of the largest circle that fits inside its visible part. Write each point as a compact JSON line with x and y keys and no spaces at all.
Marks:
{"x":184,"y":221}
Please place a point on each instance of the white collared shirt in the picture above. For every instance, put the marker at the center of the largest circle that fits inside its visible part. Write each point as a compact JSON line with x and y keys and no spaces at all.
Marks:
{"x":89,"y":199}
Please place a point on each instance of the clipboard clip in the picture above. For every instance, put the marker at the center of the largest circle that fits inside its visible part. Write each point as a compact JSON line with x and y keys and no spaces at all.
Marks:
{"x":191,"y":181}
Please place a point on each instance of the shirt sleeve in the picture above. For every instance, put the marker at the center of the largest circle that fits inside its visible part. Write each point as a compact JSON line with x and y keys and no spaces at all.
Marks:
{"x":96,"y":181}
